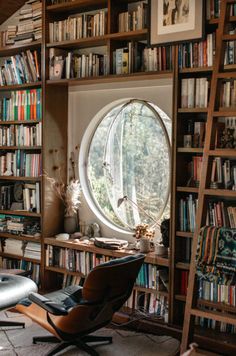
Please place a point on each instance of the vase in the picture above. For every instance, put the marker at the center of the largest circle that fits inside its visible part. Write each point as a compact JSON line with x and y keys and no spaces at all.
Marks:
{"x":144,"y":245}
{"x":70,"y":224}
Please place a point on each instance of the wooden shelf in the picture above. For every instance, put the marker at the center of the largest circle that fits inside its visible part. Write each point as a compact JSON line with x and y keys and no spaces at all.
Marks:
{"x":150,"y":257}
{"x":182,"y":265}
{"x":20,"y":86}
{"x":187,"y":189}
{"x":100,"y":40}
{"x":20,"y":213}
{"x":81,"y":43}
{"x":15,"y":49}
{"x":189,"y":150}
{"x":223,"y":152}
{"x":195,"y":70}
{"x":6,"y":235}
{"x":113,"y":78}
{"x":64,"y":271}
{"x":17,"y":257}
{"x":26,"y":148}
{"x":192,"y":110}
{"x":221,"y":193}
{"x":184,"y":234}
{"x":30,"y":179}
{"x":180,"y":297}
{"x":150,"y":290}
{"x":225,"y":112}
{"x":20,"y":122}
{"x":77,"y":5}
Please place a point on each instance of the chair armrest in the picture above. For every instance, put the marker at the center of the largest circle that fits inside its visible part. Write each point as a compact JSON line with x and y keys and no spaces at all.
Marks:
{"x":47,"y":304}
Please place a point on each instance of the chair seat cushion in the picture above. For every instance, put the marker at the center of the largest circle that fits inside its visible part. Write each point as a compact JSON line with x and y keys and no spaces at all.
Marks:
{"x":13,"y":288}
{"x":68,"y":297}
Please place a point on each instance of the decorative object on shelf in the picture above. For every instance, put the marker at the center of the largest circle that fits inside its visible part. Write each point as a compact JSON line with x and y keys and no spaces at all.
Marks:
{"x":70,"y":196}
{"x":92,"y":230}
{"x":175,"y":21}
{"x":110,"y":243}
{"x":161,"y":247}
{"x":227,"y":139}
{"x":62,"y":237}
{"x":145,"y":237}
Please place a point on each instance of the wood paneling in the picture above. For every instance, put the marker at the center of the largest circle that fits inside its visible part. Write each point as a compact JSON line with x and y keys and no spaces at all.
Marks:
{"x":7,"y":8}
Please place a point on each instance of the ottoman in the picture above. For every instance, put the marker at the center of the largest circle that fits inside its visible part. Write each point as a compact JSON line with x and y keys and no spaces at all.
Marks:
{"x":13,"y":288}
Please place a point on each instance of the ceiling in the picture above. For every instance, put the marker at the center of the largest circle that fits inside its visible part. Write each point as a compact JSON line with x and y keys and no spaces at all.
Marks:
{"x":8,"y":7}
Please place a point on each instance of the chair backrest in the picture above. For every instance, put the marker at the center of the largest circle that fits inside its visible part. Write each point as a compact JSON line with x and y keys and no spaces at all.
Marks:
{"x":105,"y":290}
{"x":113,"y":279}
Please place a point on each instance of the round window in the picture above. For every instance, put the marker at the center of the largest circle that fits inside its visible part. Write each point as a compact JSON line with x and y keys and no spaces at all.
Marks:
{"x":125,"y":166}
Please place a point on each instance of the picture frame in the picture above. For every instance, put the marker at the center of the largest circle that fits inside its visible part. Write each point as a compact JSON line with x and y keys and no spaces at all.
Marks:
{"x":173,"y":21}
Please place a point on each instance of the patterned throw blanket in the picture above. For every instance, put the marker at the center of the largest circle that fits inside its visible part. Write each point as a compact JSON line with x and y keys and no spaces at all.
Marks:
{"x":216,"y":253}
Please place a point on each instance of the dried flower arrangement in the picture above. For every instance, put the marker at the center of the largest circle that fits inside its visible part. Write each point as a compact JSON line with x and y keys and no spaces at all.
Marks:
{"x":68,"y":193}
{"x":142,"y":231}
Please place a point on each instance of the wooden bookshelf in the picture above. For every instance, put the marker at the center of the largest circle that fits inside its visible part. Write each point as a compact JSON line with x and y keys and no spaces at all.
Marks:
{"x":21,"y":86}
{"x":15,"y":49}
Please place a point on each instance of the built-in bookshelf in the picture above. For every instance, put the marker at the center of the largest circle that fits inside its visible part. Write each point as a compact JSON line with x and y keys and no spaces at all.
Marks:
{"x":26,"y":147}
{"x":100,"y":42}
{"x":193,"y":68}
{"x":73,"y":260}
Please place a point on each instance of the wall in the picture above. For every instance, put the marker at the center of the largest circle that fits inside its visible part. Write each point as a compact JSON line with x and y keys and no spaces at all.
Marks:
{"x":86,"y":101}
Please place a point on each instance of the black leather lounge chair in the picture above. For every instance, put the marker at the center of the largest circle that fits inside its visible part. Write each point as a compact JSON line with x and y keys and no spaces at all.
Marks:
{"x":71,"y":314}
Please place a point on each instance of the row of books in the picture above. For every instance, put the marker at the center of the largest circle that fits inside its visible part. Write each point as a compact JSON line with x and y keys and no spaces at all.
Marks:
{"x":21,"y":105}
{"x":19,"y":248}
{"x":187,"y":213}
{"x":194,"y":92}
{"x":150,"y":303}
{"x":228,"y":93}
{"x":196,"y":129}
{"x":20,"y":164}
{"x":27,"y":199}
{"x":151,"y":276}
{"x":213,"y":9}
{"x":135,"y":18}
{"x":217,"y":292}
{"x":157,"y":58}
{"x":9,"y":263}
{"x":218,"y":214}
{"x":223,"y":173}
{"x":197,"y":54}
{"x":20,"y":69}
{"x":20,"y":225}
{"x":73,"y":260}
{"x":28,"y":27}
{"x":194,"y":171}
{"x":21,"y":135}
{"x":137,"y":57}
{"x":78,"y":26}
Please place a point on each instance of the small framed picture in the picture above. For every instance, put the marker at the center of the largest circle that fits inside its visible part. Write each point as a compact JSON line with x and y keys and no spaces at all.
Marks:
{"x":56,"y":68}
{"x":175,"y":21}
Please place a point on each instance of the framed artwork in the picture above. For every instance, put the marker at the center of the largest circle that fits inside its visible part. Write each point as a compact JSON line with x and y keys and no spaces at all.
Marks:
{"x":175,"y":21}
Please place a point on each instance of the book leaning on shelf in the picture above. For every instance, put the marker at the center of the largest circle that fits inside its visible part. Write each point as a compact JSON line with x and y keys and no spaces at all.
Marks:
{"x":20,"y":69}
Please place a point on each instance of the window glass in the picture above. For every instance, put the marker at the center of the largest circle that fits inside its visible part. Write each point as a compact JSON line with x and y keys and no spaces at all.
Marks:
{"x":128,"y":168}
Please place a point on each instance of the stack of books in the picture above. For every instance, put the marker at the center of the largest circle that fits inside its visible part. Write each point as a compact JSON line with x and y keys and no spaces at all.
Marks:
{"x":28,"y":28}
{"x":20,"y":164}
{"x":13,"y":247}
{"x":33,"y":250}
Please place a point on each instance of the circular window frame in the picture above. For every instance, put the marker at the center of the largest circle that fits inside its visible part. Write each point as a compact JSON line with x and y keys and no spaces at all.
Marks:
{"x":84,"y":154}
